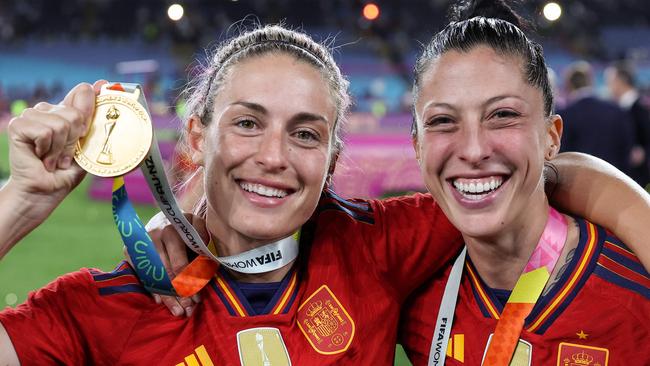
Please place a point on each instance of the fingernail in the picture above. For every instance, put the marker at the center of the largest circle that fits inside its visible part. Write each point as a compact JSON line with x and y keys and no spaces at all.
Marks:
{"x":196,"y":298}
{"x":66,"y":161}
{"x":188,"y":311}
{"x":177,"y":310}
{"x":50,"y":164}
{"x":156,"y":298}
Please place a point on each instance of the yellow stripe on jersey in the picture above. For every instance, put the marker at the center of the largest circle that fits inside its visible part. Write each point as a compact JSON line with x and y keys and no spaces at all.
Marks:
{"x":591,"y":245}
{"x":231,"y":297}
{"x":287,"y":294}
{"x":479,"y":289}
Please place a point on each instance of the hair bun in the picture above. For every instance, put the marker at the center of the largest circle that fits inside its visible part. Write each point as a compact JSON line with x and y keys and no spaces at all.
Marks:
{"x":497,"y":9}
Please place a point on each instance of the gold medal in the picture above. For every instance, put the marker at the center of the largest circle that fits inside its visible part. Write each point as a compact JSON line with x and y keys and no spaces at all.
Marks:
{"x":119,"y":137}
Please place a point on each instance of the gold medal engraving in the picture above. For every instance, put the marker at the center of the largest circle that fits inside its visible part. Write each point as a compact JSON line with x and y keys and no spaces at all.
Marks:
{"x":106,"y":157}
{"x":262,"y":347}
{"x":119,"y":137}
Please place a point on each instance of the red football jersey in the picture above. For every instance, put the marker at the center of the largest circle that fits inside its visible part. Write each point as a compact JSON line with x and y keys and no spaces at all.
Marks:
{"x":363,"y":259}
{"x":597,"y":314}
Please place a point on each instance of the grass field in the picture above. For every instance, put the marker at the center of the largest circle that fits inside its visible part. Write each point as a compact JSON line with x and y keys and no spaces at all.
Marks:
{"x":80,"y":233}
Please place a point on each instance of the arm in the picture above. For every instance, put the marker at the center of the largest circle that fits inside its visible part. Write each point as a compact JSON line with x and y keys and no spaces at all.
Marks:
{"x":41,"y":149}
{"x":8,"y":354}
{"x":595,"y":189}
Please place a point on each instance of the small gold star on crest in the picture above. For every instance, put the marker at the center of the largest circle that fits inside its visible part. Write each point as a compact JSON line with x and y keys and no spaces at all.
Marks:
{"x":582,"y":334}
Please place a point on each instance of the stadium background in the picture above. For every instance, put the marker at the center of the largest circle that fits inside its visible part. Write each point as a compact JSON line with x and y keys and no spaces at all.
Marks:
{"x":46,"y":47}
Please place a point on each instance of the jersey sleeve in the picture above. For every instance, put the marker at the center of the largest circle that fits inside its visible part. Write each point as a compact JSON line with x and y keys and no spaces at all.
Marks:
{"x":81,"y":318}
{"x":44,"y":330}
{"x":413,"y":239}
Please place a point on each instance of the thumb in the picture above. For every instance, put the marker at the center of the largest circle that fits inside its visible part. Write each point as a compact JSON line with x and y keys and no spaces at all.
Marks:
{"x":82,"y":98}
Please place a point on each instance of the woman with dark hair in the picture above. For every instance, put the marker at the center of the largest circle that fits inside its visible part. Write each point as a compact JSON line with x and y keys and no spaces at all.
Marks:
{"x":537,"y":287}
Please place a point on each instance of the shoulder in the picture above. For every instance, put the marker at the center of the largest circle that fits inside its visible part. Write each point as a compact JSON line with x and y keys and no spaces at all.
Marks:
{"x":332,"y":205}
{"x":412,"y":208}
{"x":90,"y":284}
{"x":618,"y":265}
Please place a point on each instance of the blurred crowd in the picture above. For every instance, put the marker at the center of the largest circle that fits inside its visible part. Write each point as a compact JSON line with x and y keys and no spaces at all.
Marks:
{"x":604,"y":105}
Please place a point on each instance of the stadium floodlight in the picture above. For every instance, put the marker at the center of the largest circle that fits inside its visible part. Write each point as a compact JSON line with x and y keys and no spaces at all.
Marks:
{"x":371,"y":11}
{"x":552,"y":11}
{"x":175,"y":12}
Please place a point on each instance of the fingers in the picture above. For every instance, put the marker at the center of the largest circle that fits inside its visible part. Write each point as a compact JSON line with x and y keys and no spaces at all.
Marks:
{"x":97,"y":85}
{"x":175,"y":249}
{"x":82,"y":98}
{"x":199,"y":224}
{"x":173,"y":253}
{"x":178,"y":306}
{"x":53,"y":130}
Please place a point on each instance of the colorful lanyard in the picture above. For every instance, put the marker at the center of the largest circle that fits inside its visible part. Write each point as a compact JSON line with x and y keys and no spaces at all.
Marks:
{"x":96,"y":155}
{"x":527,"y":291}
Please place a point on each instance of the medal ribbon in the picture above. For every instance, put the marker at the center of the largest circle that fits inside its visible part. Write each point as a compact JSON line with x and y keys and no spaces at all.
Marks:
{"x":527,"y":291}
{"x":201,"y":270}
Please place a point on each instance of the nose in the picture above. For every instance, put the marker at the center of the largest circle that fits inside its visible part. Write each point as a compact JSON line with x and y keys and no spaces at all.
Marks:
{"x":473,"y":145}
{"x":272,"y":151}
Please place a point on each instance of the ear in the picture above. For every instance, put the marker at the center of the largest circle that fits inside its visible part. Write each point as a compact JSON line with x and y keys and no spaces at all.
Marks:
{"x":195,"y":138}
{"x":331,"y":169}
{"x":553,"y":136}
{"x":416,"y":146}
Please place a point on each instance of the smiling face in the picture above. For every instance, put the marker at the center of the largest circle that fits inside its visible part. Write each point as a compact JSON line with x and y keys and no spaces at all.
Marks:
{"x":267,"y":150}
{"x":482,"y":141}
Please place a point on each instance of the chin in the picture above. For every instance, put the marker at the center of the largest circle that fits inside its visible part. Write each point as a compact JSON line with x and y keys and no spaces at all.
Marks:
{"x":264,"y":232}
{"x":479,"y":225}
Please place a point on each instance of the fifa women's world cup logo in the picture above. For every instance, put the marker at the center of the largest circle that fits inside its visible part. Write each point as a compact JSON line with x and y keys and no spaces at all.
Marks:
{"x":106,"y":156}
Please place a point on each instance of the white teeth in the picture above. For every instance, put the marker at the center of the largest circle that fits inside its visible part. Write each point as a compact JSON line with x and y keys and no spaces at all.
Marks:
{"x":478,"y":188}
{"x":263,"y":190}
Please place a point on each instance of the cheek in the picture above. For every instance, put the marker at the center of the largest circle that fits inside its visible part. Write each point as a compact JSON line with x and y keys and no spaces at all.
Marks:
{"x":311,"y":167}
{"x":433,"y":151}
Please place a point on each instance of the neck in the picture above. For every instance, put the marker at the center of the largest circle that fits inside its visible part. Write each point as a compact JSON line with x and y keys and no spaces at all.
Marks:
{"x":229,"y":242}
{"x":266,"y":277}
{"x":500,"y":258}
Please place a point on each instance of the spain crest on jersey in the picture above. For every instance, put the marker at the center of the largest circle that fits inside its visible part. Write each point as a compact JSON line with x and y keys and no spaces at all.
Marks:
{"x":325,"y":322}
{"x":570,"y":354}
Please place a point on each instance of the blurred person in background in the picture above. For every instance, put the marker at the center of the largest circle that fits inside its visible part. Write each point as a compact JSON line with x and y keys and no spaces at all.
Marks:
{"x":621,"y":83}
{"x":592,"y":125}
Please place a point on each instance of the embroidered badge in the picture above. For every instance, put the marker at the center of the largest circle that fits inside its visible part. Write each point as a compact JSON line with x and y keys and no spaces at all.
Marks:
{"x":262,"y":347}
{"x":570,"y":354}
{"x":326,"y":324}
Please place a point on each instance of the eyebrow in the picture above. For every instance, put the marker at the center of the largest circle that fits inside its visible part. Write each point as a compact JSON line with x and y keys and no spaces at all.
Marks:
{"x":501,"y":97}
{"x":299,"y":117}
{"x":486,"y":103}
